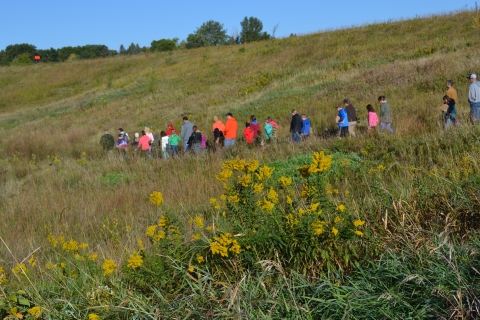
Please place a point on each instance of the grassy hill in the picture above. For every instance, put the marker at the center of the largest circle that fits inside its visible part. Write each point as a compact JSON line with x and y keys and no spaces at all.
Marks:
{"x":413,"y":193}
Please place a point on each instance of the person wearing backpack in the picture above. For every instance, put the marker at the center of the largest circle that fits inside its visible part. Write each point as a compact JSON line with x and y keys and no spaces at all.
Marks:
{"x":124,"y":135}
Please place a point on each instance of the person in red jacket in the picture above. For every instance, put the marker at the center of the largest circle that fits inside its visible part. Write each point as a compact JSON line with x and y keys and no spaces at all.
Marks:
{"x":255,"y":126}
{"x":144,"y":143}
{"x":230,"y":133}
{"x":248,"y":133}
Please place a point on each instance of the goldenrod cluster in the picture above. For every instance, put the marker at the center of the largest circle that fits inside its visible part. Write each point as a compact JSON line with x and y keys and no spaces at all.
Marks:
{"x":157,"y":232}
{"x":108,"y":267}
{"x":35,"y":312}
{"x":93,"y":316}
{"x":266,"y":205}
{"x":308,"y":191}
{"x":224,"y":244}
{"x":285,"y":181}
{"x":317,"y":227}
{"x":291,"y":221}
{"x":3,"y":276}
{"x":320,"y":163}
{"x":156,"y":198}
{"x":20,"y":268}
{"x":236,"y":164}
{"x":245,"y":179}
{"x":272,"y":195}
{"x":264,"y":173}
{"x":340,"y":208}
{"x":330,"y":190}
{"x":258,"y":187}
{"x":224,"y":175}
{"x":135,"y":260}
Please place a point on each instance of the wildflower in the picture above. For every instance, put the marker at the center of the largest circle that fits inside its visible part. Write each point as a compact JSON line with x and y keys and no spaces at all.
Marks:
{"x":264,"y":173}
{"x":53,"y":241}
{"x":257,"y":187}
{"x":35,"y":312}
{"x":151,"y":230}
{"x":63,"y":265}
{"x":162,"y":222}
{"x":200,"y":258}
{"x":135,"y":260}
{"x":93,"y":316}
{"x":83,"y":246}
{"x":358,"y":223}
{"x":19,"y":268}
{"x":70,"y":246}
{"x":49,"y":266}
{"x":301,"y":211}
{"x":381,"y":167}
{"x":128,"y":228}
{"x":92,"y":256}
{"x":141,"y":247}
{"x":61,"y":239}
{"x":224,"y":213}
{"x":108,"y":267}
{"x":285,"y":181}
{"x":347,"y":193}
{"x":359,"y":233}
{"x":224,"y":175}
{"x":340,"y":208}
{"x":160,"y":235}
{"x":308,"y":191}
{"x":224,"y":243}
{"x":266,"y":205}
{"x":32,"y":262}
{"x":291,"y":221}
{"x":329,"y":189}
{"x":198,"y":222}
{"x":208,"y":228}
{"x":196,"y":236}
{"x":320,"y":162}
{"x":156,"y":198}
{"x":314,"y":206}
{"x":79,"y":257}
{"x":317,"y":227}
{"x":223,"y":197}
{"x":334,"y":231}
{"x":252,"y":165}
{"x":272,"y":195}
{"x":245,"y":180}
{"x":191,"y":269}
{"x":289,"y":200}
{"x":337,"y":219}
{"x":3,"y":276}
{"x":213,"y":201}
{"x":233,"y":199}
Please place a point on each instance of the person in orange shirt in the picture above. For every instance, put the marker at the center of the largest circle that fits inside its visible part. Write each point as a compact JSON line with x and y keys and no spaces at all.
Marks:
{"x":218,"y":124}
{"x":230,"y":133}
{"x":248,"y":133}
{"x":144,"y":143}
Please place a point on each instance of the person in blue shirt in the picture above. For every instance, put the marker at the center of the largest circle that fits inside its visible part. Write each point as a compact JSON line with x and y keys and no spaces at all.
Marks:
{"x":306,"y":127}
{"x":342,"y":121}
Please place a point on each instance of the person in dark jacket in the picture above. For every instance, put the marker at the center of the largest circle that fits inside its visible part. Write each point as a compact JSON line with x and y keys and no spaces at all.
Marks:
{"x":106,"y":141}
{"x":296,"y":126}
{"x":352,"y":117}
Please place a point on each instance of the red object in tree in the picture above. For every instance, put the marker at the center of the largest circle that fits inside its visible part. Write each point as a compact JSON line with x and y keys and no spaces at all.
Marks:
{"x":37,"y":58}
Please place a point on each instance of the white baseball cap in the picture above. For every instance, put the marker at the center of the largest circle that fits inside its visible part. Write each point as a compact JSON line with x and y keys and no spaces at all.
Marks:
{"x":472,"y":76}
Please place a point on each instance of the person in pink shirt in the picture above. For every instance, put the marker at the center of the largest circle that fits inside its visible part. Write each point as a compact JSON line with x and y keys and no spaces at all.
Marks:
{"x":144,"y":143}
{"x":372,"y":119}
{"x":274,"y":126}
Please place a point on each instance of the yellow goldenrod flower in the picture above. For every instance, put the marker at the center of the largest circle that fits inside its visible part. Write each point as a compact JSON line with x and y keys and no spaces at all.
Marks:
{"x":61,"y":239}
{"x":3,"y":276}
{"x":314,"y":207}
{"x":79,"y":257}
{"x":245,"y":179}
{"x":291,"y":221}
{"x":160,"y":235}
{"x":32,"y":262}
{"x":63,"y":265}
{"x":257,"y":187}
{"x":301,"y":211}
{"x":83,"y":246}
{"x":358,"y":233}
{"x":208,"y":228}
{"x":162,"y":222}
{"x":317,"y":227}
{"x":198,"y":222}
{"x":264,"y":173}
{"x":223,"y":197}
{"x":320,"y":162}
{"x":334,"y":231}
{"x":191,"y":269}
{"x":92,"y":256}
{"x":252,"y":165}
{"x":196,"y":236}
{"x":156,"y":198}
{"x":200,"y":258}
{"x":347,"y":192}
{"x":266,"y":205}
{"x":108,"y":267}
{"x":272,"y":195}
{"x":381,"y":167}
{"x":19,"y":268}
{"x":289,"y":200}
{"x":285,"y":181}
{"x":128,"y":228}
{"x":340,"y":208}
{"x":52,"y":240}
{"x":35,"y":312}
{"x":135,"y":260}
{"x":338,"y":219}
{"x":93,"y":316}
{"x":233,"y":199}
{"x":151,"y":231}
{"x":224,"y":175}
{"x":213,"y":201}
{"x":70,"y":246}
{"x":358,"y":223}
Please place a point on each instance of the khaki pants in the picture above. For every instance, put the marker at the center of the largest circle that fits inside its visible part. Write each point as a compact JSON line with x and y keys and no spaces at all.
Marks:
{"x":351,"y":128}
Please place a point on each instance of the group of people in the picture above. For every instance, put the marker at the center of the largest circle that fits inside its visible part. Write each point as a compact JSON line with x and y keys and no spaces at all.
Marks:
{"x":225,"y":134}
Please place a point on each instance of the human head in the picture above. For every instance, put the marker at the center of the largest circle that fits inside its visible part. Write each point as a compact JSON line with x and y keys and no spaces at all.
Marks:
{"x":194,"y":128}
{"x":269,"y":119}
{"x":120,"y":136}
{"x":215,"y":118}
{"x":304,"y":116}
{"x":247,"y":124}
{"x":472,"y":77}
{"x":120,"y":129}
{"x":294,"y":112}
{"x":370,"y":108}
{"x":147,"y":130}
{"x":252,"y":117}
{"x":143,"y":133}
{"x":381,"y":98}
{"x":346,"y":101}
{"x":446,"y":98}
{"x":105,"y":131}
{"x":449,"y":83}
{"x":185,"y":118}
{"x":338,"y":106}
{"x":136,"y":135}
{"x":162,"y":134}
{"x":229,"y":115}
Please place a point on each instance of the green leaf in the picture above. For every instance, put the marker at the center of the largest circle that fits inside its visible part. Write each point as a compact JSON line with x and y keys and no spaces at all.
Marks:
{"x":13,"y":298}
{"x":23,"y":302}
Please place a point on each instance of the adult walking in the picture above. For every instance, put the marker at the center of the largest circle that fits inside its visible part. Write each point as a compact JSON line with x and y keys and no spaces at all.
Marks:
{"x":296,"y":126}
{"x":352,"y":117}
{"x":474,"y":98}
{"x":186,"y":132}
{"x":107,"y":141}
{"x":385,"y":115}
{"x":217,"y":128}
{"x":230,"y":133}
{"x":342,"y":121}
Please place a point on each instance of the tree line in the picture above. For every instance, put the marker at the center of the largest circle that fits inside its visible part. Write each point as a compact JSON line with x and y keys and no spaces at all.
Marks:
{"x":210,"y":33}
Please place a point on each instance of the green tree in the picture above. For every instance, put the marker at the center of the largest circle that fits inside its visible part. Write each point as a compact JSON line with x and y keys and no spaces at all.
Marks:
{"x":252,"y":30}
{"x":122,"y":50}
{"x":164,"y":44}
{"x":210,"y":33}
{"x":22,"y":59}
{"x":14,"y":50}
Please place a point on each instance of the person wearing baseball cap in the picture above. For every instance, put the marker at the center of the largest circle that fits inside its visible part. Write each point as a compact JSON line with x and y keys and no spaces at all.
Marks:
{"x":474,"y":98}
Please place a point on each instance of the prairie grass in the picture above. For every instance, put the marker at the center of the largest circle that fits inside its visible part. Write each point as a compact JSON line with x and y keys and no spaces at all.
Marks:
{"x":415,"y":190}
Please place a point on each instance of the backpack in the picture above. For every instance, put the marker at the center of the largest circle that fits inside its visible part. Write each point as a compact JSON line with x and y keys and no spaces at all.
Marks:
{"x":126,"y":137}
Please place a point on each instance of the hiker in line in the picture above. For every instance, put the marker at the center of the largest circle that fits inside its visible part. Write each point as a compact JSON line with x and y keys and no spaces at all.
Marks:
{"x":372,"y":119}
{"x":107,"y":141}
{"x":217,"y":128}
{"x":342,"y":121}
{"x":186,"y":132}
{"x":171,"y":129}
{"x":144,"y":144}
{"x":451,"y":113}
{"x":173,"y":141}
{"x":385,"y":115}
{"x":149,"y":134}
{"x":474,"y":98}
{"x":248,"y":133}
{"x":306,"y":127}
{"x":124,"y":135}
{"x":121,"y":146}
{"x":296,"y":126}
{"x":352,"y":117}
{"x":136,"y":138}
{"x":164,"y":141}
{"x":255,"y":126}
{"x":274,"y":126}
{"x":195,"y":140}
{"x":219,"y":139}
{"x":268,"y":131}
{"x":230,"y":133}
{"x":451,"y":92}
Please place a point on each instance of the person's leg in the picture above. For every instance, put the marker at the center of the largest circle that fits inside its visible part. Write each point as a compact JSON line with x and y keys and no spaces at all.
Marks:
{"x":389,"y":127}
{"x":229,"y":143}
{"x":447,"y":123}
{"x":295,"y":137}
{"x":382,"y":126}
{"x":185,"y":145}
{"x":351,"y":128}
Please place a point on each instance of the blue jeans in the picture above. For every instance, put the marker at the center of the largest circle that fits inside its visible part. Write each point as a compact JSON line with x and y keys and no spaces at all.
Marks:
{"x":385,"y":124}
{"x":450,"y":119}
{"x":474,"y":115}
{"x":165,"y":153}
{"x":174,"y":150}
{"x":296,"y":137}
{"x":228,"y":143}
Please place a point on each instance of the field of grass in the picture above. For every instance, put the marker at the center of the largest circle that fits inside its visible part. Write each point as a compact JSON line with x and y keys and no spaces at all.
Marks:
{"x":378,"y":227}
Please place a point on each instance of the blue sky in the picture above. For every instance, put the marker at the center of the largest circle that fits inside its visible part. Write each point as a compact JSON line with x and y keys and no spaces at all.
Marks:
{"x":55,"y":23}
